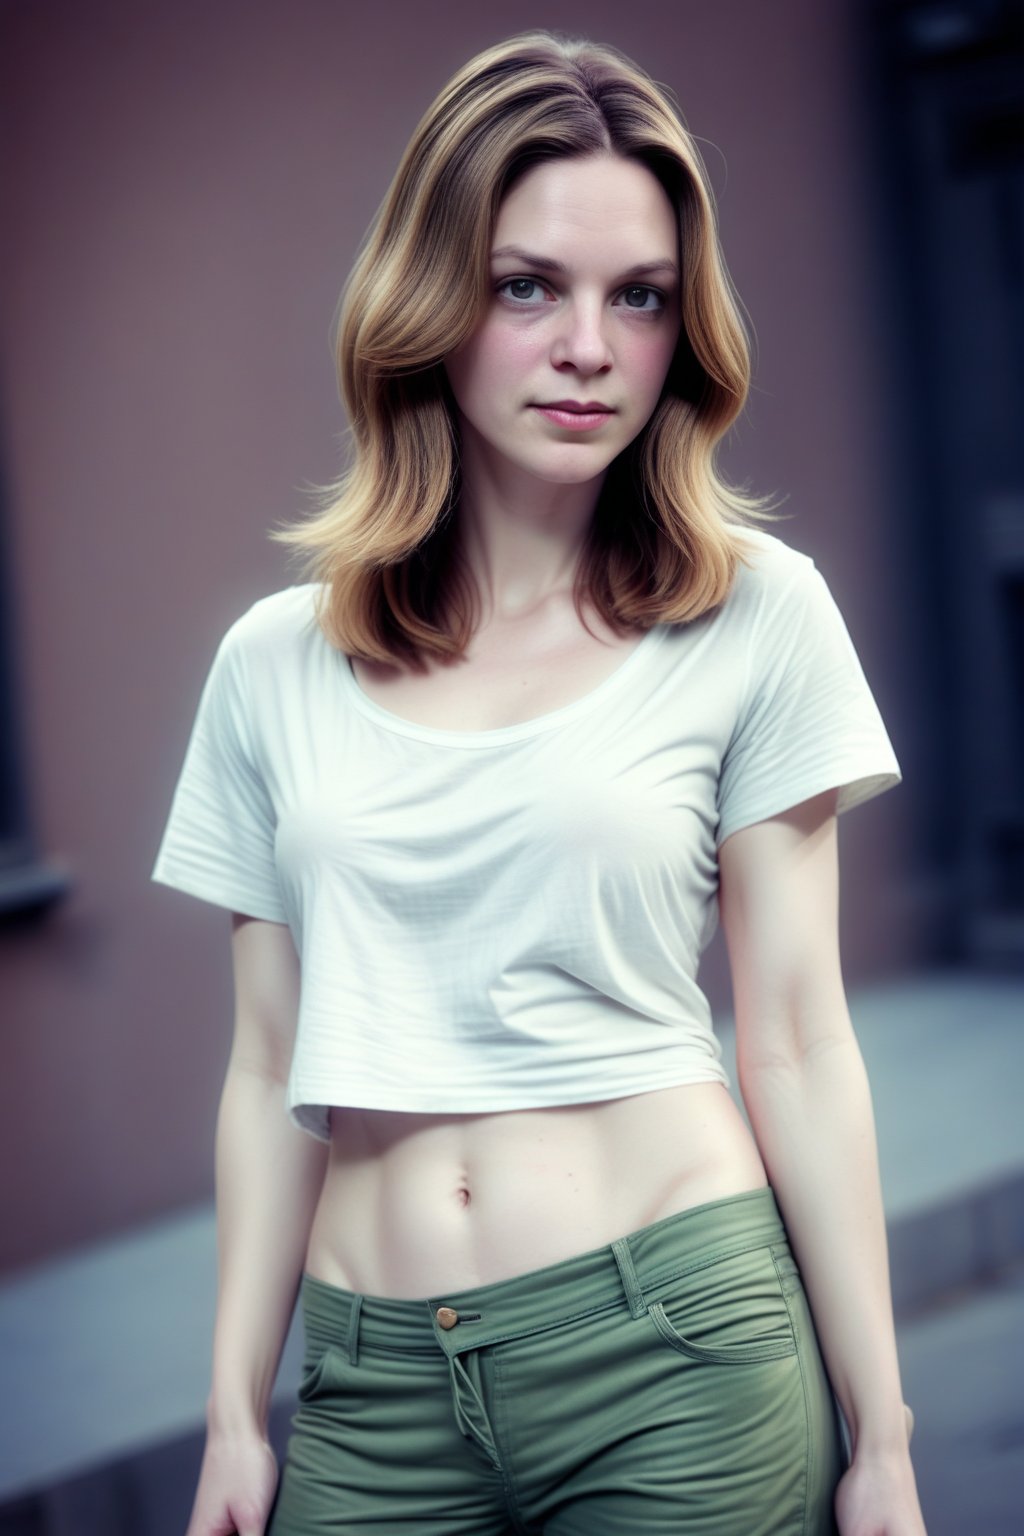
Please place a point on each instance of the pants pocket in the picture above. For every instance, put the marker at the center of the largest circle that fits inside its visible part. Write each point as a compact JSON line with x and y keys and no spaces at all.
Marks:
{"x":731,"y":1311}
{"x":321,"y":1370}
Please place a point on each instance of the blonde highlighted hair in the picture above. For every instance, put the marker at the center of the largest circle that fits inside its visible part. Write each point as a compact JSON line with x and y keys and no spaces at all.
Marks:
{"x":666,"y":533}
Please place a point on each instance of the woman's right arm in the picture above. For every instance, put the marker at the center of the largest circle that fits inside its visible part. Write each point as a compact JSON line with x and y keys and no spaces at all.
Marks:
{"x":268,"y":1176}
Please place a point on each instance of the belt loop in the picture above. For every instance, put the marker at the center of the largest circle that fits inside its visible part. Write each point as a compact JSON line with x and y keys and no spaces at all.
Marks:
{"x":628,"y":1276}
{"x":352,"y":1342}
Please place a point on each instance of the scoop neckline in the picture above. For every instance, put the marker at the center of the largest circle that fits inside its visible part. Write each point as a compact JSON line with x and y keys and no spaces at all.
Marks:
{"x":500,"y":734}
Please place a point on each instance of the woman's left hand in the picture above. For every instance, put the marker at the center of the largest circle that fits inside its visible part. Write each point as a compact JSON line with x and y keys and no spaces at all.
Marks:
{"x":877,"y":1496}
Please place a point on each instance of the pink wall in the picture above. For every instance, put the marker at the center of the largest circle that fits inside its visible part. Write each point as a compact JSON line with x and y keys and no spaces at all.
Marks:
{"x":186,"y":187}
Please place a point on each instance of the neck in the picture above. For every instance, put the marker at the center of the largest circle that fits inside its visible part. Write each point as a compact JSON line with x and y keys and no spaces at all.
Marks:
{"x":521,"y":536}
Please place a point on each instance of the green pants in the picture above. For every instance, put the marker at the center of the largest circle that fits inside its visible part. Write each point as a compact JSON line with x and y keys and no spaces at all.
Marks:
{"x":668,"y":1382}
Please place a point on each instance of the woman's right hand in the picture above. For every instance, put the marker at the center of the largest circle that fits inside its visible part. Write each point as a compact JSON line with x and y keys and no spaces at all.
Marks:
{"x":237,"y":1482}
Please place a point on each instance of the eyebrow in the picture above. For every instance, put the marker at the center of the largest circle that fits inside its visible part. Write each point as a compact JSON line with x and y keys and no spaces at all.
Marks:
{"x":547,"y":264}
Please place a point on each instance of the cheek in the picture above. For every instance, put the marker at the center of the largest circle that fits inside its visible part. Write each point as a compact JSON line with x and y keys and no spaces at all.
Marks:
{"x":492,"y":362}
{"x":648,"y":360}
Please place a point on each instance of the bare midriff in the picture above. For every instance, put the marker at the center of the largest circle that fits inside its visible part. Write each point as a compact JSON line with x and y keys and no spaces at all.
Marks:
{"x":418,"y":1205}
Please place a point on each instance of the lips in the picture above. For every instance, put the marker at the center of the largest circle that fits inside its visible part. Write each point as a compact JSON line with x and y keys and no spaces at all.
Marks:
{"x":577,"y":407}
{"x":576,"y":415}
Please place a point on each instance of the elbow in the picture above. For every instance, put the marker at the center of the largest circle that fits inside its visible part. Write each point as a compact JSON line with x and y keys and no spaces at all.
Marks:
{"x":793,"y":1042}
{"x":267,"y":1067}
{"x":792,"y":1086}
{"x":788,"y":1021}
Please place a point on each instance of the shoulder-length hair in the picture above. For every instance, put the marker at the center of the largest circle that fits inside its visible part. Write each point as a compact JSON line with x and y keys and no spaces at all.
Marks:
{"x":665,"y":536}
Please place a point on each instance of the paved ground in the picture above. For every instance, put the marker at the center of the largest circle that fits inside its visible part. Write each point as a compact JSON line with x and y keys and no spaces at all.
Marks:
{"x":89,"y":1446}
{"x":961,"y":1370}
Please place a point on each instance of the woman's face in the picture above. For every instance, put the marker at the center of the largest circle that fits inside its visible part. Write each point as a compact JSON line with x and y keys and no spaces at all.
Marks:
{"x":568,"y":362}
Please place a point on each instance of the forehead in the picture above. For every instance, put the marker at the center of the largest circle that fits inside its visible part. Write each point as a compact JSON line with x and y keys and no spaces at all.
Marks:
{"x":563,"y":208}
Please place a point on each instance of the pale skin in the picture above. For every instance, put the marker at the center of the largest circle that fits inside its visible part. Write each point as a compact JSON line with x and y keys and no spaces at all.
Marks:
{"x":588,"y":1173}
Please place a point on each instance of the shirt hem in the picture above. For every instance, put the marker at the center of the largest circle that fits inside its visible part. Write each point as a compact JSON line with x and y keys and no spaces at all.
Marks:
{"x":855,"y":788}
{"x":306,"y":1112}
{"x":231,"y":898}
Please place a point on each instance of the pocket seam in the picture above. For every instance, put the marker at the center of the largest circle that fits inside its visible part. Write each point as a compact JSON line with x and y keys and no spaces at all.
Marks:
{"x":790,"y":1279}
{"x":312,"y":1380}
{"x":749,"y":1353}
{"x":732,"y":1354}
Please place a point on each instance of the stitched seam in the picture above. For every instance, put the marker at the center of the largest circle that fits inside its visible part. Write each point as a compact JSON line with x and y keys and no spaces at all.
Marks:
{"x":737,"y":1354}
{"x":529,"y":1329}
{"x":313,"y":1379}
{"x":663,"y":1276}
{"x":659,"y":1278}
{"x":512,"y":1508}
{"x":629,"y":1277}
{"x":807,"y":1418}
{"x":781,"y":1253}
{"x":352,"y":1336}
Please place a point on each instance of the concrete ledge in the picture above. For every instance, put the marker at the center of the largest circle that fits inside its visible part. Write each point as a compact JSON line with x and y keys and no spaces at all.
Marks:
{"x":956,"y":1245}
{"x":107,"y":1353}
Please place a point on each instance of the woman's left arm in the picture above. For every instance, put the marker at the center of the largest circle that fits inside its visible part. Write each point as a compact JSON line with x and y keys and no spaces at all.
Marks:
{"x":806,"y":1092}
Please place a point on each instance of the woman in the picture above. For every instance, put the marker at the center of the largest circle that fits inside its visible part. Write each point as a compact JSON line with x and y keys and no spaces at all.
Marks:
{"x":552,"y":700}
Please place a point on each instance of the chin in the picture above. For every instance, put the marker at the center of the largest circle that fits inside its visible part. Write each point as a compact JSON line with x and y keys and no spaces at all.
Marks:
{"x":576,"y":467}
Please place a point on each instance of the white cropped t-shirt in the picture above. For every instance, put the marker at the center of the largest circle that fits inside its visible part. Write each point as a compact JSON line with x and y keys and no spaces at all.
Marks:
{"x":512,"y":918}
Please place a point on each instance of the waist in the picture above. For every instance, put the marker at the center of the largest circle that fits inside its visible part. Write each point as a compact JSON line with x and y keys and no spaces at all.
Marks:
{"x":414,"y":1202}
{"x":634,"y":1264}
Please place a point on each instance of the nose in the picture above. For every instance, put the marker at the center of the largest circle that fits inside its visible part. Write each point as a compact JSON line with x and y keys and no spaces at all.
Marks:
{"x":580,"y":343}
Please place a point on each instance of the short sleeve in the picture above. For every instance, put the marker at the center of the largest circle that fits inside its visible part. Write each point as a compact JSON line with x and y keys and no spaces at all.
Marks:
{"x":808,"y":720}
{"x":218,"y":843}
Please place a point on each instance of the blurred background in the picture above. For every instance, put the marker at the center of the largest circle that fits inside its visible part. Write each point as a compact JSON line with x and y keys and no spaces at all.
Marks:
{"x":184,"y":188}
